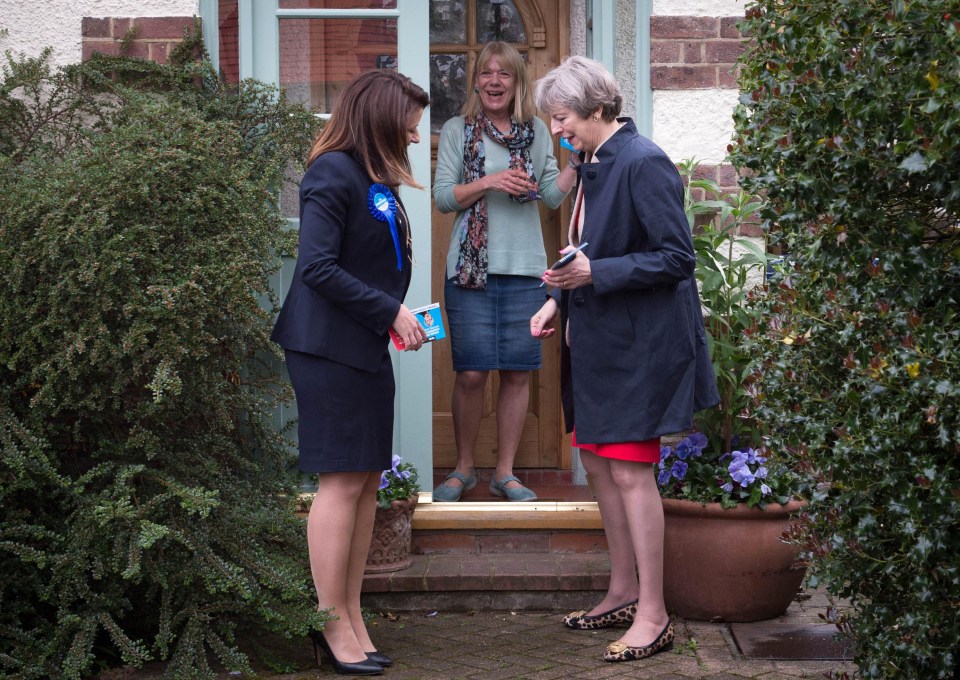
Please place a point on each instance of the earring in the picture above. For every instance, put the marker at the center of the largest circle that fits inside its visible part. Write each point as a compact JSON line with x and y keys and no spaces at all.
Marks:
{"x":476,"y":90}
{"x":595,"y":118}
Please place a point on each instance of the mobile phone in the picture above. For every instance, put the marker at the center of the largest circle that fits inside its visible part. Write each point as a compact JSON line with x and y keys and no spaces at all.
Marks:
{"x":568,"y":258}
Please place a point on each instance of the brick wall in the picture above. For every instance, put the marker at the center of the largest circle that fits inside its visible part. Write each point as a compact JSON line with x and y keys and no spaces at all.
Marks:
{"x":150,"y":38}
{"x":695,"y":53}
{"x":688,"y":53}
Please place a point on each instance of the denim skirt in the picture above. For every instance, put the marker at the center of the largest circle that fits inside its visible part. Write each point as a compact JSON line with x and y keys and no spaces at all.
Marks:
{"x":490,"y":329}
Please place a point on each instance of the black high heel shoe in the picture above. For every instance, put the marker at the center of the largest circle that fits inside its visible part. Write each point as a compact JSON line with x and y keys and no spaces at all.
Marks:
{"x":380,"y":658}
{"x":367,"y":667}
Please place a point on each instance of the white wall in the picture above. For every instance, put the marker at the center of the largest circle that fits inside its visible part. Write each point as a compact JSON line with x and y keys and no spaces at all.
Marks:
{"x":694,"y":123}
{"x":31,"y":25}
{"x":699,"y":8}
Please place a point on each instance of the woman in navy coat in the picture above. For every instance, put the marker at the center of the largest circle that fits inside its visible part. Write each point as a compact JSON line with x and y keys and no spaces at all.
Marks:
{"x":353,"y":270}
{"x":634,"y":361}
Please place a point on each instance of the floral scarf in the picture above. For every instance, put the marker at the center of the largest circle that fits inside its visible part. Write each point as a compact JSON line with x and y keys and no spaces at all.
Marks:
{"x":472,"y":261}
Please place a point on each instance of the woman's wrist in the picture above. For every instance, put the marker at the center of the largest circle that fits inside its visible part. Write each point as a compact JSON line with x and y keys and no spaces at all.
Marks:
{"x":573,"y":161}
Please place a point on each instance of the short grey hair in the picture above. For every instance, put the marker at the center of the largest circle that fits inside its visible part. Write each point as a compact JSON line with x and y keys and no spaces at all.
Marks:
{"x":582,"y":85}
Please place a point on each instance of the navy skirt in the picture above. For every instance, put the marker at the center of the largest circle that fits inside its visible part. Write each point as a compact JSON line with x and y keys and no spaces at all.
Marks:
{"x":346,"y":414}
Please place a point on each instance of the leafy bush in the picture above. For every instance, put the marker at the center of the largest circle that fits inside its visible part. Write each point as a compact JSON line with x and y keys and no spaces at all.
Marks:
{"x":848,"y":125}
{"x":147,"y":500}
{"x":719,"y":464}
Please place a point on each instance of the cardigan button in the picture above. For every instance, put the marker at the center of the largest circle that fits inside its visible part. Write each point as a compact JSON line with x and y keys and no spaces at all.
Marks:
{"x":578,"y":300}
{"x":591,"y":174}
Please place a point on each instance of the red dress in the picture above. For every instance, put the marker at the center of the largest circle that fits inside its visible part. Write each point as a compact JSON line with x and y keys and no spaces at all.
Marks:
{"x":638,"y":452}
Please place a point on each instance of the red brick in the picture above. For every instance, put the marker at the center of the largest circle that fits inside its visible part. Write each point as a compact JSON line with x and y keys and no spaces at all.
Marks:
{"x":135,"y":49}
{"x":160,"y":51}
{"x":750,"y":229}
{"x":682,"y":77}
{"x":665,"y":51}
{"x":162,"y":27}
{"x":506,"y":543}
{"x":541,"y":572}
{"x":693,"y":52}
{"x":728,"y":27}
{"x":120,"y":27}
{"x":706,"y":171}
{"x":92,"y":27}
{"x":727,"y":175}
{"x":683,"y":27}
{"x":476,"y":574}
{"x":578,"y":543}
{"x":724,"y":51}
{"x":728,"y":77}
{"x":444,"y":543}
{"x":91,"y":47}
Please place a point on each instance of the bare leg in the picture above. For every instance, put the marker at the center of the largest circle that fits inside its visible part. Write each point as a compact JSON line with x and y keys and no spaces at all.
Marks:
{"x":360,"y":546}
{"x":644,"y":514}
{"x":512,"y":401}
{"x":332,"y":531}
{"x":623,"y":563}
{"x":467,"y":410}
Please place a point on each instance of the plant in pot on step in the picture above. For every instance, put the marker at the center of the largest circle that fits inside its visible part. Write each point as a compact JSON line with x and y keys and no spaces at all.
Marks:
{"x":727,"y":498}
{"x":393,"y":523}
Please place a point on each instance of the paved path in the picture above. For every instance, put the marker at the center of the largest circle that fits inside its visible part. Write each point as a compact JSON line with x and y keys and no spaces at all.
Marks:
{"x":533,"y":645}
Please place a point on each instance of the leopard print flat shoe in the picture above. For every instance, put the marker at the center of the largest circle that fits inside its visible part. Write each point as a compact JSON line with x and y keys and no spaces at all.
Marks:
{"x":617,"y":616}
{"x":618,"y":651}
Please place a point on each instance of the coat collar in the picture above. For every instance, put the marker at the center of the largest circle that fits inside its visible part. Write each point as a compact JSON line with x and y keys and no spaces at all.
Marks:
{"x":612,"y":146}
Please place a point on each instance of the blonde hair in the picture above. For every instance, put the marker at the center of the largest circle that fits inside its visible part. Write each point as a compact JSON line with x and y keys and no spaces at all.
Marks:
{"x":512,"y":62}
{"x":582,"y":85}
{"x":370,"y":120}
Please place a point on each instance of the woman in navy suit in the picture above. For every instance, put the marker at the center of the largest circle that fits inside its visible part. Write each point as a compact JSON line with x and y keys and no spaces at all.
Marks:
{"x":353,"y":270}
{"x":634,"y":361}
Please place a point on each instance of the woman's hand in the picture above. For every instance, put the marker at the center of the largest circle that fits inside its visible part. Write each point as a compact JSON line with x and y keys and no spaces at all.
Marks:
{"x":409,"y":329}
{"x":540,"y":323}
{"x":573,"y":275}
{"x":513,"y":181}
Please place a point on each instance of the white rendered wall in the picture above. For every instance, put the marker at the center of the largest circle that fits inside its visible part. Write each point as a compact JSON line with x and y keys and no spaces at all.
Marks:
{"x":33,"y":25}
{"x":694,"y":123}
{"x":699,"y":8}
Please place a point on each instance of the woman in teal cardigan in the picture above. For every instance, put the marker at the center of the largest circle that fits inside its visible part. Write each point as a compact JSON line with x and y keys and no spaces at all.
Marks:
{"x":493,"y":164}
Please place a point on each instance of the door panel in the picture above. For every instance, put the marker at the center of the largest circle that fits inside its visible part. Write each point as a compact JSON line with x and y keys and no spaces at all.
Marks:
{"x":458,"y":30}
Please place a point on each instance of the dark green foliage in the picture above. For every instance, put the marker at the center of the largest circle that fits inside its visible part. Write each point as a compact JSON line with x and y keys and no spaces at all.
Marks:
{"x":147,"y":501}
{"x":849,"y":124}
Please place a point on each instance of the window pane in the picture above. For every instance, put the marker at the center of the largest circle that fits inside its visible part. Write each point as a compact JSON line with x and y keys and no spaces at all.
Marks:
{"x":338,"y":4}
{"x":448,"y":88}
{"x":511,"y":25}
{"x":448,"y":22}
{"x":229,"y":41}
{"x":319,"y":56}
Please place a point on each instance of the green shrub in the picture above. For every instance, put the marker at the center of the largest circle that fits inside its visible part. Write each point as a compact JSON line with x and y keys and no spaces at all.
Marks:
{"x":147,"y":498}
{"x":848,"y":124}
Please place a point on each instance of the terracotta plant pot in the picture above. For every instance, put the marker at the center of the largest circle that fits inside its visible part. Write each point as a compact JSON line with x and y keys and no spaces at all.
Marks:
{"x":392,"y":537}
{"x":729,"y":565}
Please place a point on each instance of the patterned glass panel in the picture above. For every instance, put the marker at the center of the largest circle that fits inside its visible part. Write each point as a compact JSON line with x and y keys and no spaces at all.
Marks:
{"x":448,"y":88}
{"x":448,"y":22}
{"x":319,"y":56}
{"x":499,"y":21}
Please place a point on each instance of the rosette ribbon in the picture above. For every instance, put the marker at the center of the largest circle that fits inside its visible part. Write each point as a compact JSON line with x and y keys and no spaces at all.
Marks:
{"x":383,"y":206}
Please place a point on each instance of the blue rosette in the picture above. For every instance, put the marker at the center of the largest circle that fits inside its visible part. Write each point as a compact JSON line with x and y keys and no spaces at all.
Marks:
{"x":383,"y":206}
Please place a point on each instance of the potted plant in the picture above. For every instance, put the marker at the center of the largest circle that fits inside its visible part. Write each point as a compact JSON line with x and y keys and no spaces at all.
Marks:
{"x":393,"y":524}
{"x":727,"y":498}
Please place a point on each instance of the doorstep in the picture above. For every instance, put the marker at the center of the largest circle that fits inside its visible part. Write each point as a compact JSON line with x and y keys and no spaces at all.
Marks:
{"x":482,"y":555}
{"x":467,"y":582}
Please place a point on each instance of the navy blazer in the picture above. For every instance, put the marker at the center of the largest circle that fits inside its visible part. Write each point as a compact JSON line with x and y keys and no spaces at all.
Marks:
{"x":637,"y":366}
{"x":346,"y":289}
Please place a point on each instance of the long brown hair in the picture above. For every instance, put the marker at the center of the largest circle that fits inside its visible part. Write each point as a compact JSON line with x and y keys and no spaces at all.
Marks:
{"x":370,"y":120}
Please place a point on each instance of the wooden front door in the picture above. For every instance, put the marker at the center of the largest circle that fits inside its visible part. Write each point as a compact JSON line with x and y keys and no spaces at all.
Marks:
{"x":458,"y":31}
